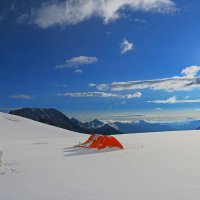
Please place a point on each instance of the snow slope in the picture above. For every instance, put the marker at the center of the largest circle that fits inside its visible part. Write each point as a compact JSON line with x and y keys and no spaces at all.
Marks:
{"x":39,"y":163}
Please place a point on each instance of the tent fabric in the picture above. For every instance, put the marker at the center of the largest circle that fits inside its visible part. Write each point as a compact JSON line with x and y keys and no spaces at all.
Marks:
{"x":101,"y":142}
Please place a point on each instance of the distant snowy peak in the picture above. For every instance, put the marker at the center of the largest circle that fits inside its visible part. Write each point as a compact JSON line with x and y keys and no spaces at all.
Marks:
{"x":145,"y":126}
{"x":139,"y":126}
{"x":97,"y":127}
{"x":107,"y":130}
{"x":93,"y":124}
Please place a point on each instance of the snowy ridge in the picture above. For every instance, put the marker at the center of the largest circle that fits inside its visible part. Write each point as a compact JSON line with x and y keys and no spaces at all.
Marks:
{"x":40,"y":162}
{"x":15,"y":127}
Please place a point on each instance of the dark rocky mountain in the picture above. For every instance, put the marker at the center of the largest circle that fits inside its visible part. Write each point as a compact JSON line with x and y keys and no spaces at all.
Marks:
{"x":56,"y":118}
{"x":48,"y":116}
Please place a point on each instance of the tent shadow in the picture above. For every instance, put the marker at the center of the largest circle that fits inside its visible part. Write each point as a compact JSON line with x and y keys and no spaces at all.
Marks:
{"x":78,"y":151}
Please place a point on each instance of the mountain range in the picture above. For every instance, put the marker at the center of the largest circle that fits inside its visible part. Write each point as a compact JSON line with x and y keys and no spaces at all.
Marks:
{"x":143,"y":126}
{"x":56,"y":118}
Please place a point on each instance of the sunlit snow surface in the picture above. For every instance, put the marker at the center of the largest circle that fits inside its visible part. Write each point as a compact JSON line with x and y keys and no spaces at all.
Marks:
{"x":40,"y":163}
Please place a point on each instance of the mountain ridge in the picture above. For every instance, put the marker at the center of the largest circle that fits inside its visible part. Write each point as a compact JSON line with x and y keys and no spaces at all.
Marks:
{"x":56,"y":118}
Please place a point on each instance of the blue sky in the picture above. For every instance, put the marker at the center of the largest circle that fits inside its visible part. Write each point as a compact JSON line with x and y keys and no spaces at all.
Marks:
{"x":126,"y":59}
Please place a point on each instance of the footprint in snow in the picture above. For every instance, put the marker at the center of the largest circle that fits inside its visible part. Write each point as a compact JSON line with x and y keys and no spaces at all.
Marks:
{"x":4,"y":168}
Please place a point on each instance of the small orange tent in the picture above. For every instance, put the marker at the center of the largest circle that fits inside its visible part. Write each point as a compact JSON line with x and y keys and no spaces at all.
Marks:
{"x":101,"y":142}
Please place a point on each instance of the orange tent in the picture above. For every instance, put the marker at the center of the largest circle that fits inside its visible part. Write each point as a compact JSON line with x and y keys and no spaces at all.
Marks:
{"x":101,"y":142}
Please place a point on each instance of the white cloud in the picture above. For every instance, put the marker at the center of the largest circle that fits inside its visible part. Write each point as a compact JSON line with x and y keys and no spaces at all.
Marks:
{"x":135,"y":95}
{"x":170,"y":100}
{"x":176,"y":83}
{"x":168,"y":84}
{"x":75,"y":11}
{"x":191,"y":72}
{"x":77,"y":61}
{"x":103,"y":87}
{"x":102,"y":94}
{"x":89,"y":94}
{"x":22,"y":96}
{"x":173,"y":100}
{"x":92,"y":85}
{"x":126,"y":46}
{"x":78,"y":71}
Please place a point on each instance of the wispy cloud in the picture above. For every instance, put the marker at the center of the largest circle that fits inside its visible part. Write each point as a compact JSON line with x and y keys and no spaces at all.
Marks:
{"x":77,"y":61}
{"x":132,"y":96}
{"x":104,"y":87}
{"x":168,"y":84}
{"x":75,"y":11}
{"x":21,"y":96}
{"x":187,"y":97}
{"x":102,"y":94}
{"x":11,"y":10}
{"x":158,"y":109}
{"x":123,"y":102}
{"x":127,"y":115}
{"x":92,"y":85}
{"x":22,"y":18}
{"x":176,"y":83}
{"x":173,"y":100}
{"x":88,"y":94}
{"x":126,"y":46}
{"x":140,"y":20}
{"x":78,"y":71}
{"x":12,"y":7}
